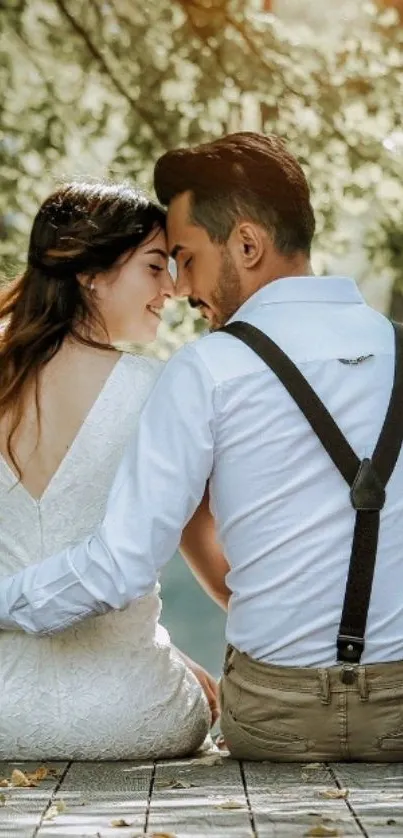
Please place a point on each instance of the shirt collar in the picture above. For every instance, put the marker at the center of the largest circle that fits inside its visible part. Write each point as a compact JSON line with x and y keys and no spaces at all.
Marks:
{"x":302,"y":289}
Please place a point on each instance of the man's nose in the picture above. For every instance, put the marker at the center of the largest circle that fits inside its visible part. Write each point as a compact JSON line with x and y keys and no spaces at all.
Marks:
{"x":182,"y":285}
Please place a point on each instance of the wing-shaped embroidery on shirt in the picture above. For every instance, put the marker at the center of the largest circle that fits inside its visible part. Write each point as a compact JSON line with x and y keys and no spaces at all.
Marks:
{"x":354,"y":361}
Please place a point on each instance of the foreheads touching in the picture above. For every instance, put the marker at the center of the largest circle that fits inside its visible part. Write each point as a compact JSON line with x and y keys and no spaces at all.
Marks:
{"x":239,"y":216}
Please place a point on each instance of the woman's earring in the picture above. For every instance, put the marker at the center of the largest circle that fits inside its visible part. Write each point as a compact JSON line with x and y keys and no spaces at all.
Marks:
{"x":92,"y":286}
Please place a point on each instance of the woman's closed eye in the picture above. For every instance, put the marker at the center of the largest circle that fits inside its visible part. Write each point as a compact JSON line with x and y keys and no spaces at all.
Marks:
{"x":156,"y":268}
{"x":188,"y":262}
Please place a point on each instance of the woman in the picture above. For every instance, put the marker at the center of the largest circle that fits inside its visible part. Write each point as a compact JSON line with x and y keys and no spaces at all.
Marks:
{"x":97,"y":275}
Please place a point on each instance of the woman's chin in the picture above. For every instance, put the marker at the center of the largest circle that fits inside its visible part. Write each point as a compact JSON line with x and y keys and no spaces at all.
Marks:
{"x":150,"y":334}
{"x":144,"y":337}
{"x":144,"y":334}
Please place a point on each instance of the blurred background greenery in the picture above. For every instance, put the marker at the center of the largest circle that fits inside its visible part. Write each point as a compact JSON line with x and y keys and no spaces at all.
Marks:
{"x":196,"y":624}
{"x":100,"y":88}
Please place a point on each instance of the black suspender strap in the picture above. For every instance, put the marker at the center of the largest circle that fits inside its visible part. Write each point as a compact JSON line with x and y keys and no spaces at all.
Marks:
{"x":367,"y":478}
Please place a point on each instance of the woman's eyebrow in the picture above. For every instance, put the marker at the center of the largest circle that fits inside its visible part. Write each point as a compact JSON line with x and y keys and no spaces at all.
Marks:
{"x":158,"y":252}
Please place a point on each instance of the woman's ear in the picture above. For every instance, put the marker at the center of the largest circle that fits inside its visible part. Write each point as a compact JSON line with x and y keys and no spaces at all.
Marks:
{"x":87,"y":281}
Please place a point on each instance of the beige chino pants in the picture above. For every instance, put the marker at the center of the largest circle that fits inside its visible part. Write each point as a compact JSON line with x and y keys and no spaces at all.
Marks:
{"x":299,"y":714}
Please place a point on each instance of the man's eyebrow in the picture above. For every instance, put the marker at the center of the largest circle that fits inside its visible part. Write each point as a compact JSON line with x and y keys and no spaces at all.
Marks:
{"x":175,"y":250}
{"x":158,"y":252}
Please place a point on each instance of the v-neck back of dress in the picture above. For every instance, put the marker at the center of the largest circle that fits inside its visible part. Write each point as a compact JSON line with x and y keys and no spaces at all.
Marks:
{"x":85,"y":426}
{"x":74,"y":498}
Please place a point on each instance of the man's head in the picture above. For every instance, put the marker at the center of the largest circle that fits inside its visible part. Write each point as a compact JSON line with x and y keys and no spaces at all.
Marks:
{"x":239,"y":217}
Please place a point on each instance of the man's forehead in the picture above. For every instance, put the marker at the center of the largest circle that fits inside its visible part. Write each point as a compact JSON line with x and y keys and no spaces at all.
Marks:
{"x":179,"y":207}
{"x":178,"y":224}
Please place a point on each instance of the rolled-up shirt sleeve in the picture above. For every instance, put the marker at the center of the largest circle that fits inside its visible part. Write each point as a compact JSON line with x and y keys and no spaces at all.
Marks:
{"x":158,"y":486}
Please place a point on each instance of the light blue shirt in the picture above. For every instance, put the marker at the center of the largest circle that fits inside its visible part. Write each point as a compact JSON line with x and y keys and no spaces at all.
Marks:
{"x":282,"y":508}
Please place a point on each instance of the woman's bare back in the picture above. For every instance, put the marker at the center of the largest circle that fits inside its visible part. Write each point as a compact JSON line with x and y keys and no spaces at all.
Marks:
{"x":69,"y":387}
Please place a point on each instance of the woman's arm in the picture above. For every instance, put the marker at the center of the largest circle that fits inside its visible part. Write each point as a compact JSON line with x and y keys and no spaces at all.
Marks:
{"x":203,"y":554}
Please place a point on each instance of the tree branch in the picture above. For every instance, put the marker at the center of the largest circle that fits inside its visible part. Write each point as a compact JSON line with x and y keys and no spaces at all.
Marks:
{"x":107,"y":70}
{"x":289,"y":88}
{"x":213,"y":50}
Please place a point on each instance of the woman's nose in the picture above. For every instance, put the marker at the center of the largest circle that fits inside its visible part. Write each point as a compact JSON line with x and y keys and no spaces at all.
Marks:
{"x":167,"y":286}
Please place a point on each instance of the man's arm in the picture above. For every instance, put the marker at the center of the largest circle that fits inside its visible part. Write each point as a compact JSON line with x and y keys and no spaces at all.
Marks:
{"x":202,"y":552}
{"x":158,"y":486}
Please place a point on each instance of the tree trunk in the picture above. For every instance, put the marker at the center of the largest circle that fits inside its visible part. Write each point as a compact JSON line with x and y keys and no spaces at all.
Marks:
{"x":396,"y":302}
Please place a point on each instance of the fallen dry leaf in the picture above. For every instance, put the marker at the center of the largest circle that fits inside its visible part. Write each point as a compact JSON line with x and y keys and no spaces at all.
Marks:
{"x":214,"y":759}
{"x":155,"y":835}
{"x":322,"y":831}
{"x":4,"y":784}
{"x":38,"y":775}
{"x":334,"y":794}
{"x":53,"y":772}
{"x":54,"y":810}
{"x":120,"y":823}
{"x":180,"y":784}
{"x":22,"y":780}
{"x":231,"y":804}
{"x":19,"y":779}
{"x":51,"y":813}
{"x":175,"y":783}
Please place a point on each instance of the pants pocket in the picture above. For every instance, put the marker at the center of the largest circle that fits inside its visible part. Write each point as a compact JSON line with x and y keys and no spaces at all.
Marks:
{"x":392,"y":742}
{"x":248,"y":741}
{"x":387,"y":718}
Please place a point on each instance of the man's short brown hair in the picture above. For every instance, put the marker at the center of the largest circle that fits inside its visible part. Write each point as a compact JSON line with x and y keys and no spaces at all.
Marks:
{"x":241,"y":176}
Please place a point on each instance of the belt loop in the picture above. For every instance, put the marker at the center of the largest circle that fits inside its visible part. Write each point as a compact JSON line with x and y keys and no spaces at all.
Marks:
{"x":362,"y":683}
{"x":229,"y":656}
{"x":324,"y":683}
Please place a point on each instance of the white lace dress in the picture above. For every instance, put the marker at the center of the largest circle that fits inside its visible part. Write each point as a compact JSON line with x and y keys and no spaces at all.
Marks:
{"x":112,"y":687}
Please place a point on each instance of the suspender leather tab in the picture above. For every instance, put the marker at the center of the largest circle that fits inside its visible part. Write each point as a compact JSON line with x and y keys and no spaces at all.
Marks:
{"x":349,"y":648}
{"x":367,"y":492}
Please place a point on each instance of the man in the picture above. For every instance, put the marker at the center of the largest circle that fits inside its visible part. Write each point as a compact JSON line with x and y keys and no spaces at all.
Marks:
{"x":240,"y":226}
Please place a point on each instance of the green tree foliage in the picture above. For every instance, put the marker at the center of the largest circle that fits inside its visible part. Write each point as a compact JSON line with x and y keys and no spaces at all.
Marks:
{"x":102,"y":87}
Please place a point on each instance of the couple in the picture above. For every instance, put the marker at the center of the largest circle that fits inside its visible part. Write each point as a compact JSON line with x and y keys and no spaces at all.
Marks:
{"x":220,"y":431}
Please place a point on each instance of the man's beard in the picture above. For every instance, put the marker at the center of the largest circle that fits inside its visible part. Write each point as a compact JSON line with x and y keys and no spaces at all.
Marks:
{"x":227,"y":295}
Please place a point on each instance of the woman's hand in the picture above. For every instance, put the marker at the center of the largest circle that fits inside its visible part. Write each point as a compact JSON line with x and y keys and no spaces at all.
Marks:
{"x":208,"y":684}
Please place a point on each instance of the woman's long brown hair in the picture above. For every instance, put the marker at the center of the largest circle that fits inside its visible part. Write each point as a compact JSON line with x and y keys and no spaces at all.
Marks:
{"x":81,"y":229}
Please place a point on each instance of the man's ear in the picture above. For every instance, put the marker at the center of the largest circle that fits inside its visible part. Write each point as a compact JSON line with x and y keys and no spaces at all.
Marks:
{"x":248,"y":242}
